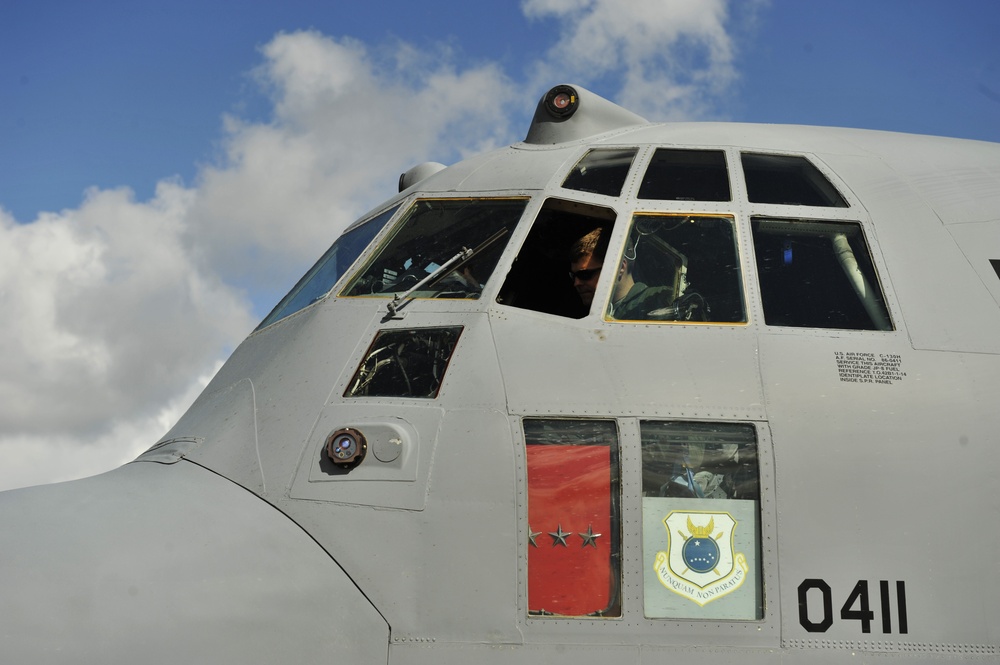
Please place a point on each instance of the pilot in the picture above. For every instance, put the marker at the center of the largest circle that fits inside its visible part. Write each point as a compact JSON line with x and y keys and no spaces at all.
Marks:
{"x":586,"y":257}
{"x":636,"y":301}
{"x":630,"y":300}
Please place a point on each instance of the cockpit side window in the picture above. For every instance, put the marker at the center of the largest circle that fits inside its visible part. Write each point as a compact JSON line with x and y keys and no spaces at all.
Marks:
{"x":573,"y":540}
{"x":817,"y":275}
{"x":701,"y":543}
{"x":329,"y":269}
{"x":679,"y":268}
{"x":601,"y":171}
{"x":686,"y":175}
{"x":442,"y":248}
{"x":560,"y":263}
{"x":788,"y":180}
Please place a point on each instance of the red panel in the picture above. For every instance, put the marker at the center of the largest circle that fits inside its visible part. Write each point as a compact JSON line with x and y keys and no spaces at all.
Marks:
{"x":569,"y":487}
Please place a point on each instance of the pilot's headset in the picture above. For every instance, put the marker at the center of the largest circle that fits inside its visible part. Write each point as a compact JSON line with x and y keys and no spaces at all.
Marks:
{"x":631,"y":245}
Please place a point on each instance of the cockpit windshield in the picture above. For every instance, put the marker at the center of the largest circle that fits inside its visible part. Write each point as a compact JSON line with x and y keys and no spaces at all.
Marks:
{"x":441,"y":248}
{"x":331,"y":267}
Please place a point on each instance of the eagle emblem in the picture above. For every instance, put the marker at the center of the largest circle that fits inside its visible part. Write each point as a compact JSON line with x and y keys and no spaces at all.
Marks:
{"x":700,"y":562}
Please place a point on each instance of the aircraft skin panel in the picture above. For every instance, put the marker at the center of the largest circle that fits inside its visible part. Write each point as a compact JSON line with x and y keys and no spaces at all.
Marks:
{"x":688,"y":372}
{"x":447,"y":572}
{"x":980,"y":242}
{"x":857,"y":465}
{"x":168,"y":564}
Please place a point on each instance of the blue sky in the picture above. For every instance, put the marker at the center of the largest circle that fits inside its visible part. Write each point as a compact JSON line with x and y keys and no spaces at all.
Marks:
{"x":188,"y":160}
{"x":122,"y":93}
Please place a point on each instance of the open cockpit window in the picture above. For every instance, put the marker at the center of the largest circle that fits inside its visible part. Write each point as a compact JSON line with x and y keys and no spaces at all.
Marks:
{"x":817,"y":275}
{"x":701,"y":542}
{"x":559,"y":265}
{"x":679,"y":268}
{"x":441,"y":248}
{"x":601,"y":171}
{"x":573,"y":541}
{"x":788,"y":180}
{"x":321,"y":277}
{"x":686,"y":175}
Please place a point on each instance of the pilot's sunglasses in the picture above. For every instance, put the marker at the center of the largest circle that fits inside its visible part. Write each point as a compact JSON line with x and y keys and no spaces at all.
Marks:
{"x":584,"y":275}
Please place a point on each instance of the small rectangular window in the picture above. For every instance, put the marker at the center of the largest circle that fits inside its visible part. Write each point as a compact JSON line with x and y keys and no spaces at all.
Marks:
{"x":573,"y":523}
{"x":601,"y":172}
{"x":407,"y":362}
{"x":686,"y":175}
{"x":817,"y":275}
{"x":701,"y":521}
{"x":788,"y":180}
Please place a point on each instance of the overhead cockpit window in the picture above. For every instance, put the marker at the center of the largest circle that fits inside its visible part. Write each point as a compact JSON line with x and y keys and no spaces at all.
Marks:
{"x":679,"y":268}
{"x":601,"y":171}
{"x":788,"y":180}
{"x":405,"y":363}
{"x":701,"y":546}
{"x":560,"y":263}
{"x":817,"y":275}
{"x":441,"y":248}
{"x":573,"y":541}
{"x":321,"y":277}
{"x":686,"y":175}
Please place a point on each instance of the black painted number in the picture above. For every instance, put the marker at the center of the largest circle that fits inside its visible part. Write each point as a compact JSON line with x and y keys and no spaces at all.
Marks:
{"x":857,"y":607}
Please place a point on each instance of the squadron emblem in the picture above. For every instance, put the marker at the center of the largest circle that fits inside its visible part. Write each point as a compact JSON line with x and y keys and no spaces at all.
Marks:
{"x":700,"y":562}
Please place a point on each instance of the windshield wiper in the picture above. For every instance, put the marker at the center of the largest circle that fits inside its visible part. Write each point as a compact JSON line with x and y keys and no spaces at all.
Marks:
{"x":461,"y":258}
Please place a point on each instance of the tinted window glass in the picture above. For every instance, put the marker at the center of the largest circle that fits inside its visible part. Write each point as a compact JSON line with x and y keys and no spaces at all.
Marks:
{"x":601,"y":172}
{"x":788,"y":180}
{"x":321,"y":277}
{"x":573,"y":541}
{"x":436,"y":233}
{"x":817,"y":275}
{"x":700,"y":521}
{"x":686,"y":175}
{"x":679,"y":268}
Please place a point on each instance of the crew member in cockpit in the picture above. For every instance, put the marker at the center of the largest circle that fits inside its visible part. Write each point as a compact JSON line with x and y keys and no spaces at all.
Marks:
{"x":586,"y":257}
{"x":635,"y":301}
{"x":630,"y":300}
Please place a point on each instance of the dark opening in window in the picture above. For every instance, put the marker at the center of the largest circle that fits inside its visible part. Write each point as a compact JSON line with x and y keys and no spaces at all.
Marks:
{"x":686,"y":175}
{"x":558,"y":267}
{"x":788,"y":180}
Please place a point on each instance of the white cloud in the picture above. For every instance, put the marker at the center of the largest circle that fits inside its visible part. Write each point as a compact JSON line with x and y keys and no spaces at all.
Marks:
{"x":115,"y":308}
{"x":672,"y":57}
{"x":348,"y":120}
{"x":47,"y":457}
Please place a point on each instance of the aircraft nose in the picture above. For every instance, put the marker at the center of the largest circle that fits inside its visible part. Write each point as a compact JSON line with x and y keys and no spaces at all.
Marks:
{"x":171,"y":563}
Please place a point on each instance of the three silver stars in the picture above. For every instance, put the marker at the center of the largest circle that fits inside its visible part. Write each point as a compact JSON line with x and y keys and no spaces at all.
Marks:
{"x":559,"y":536}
